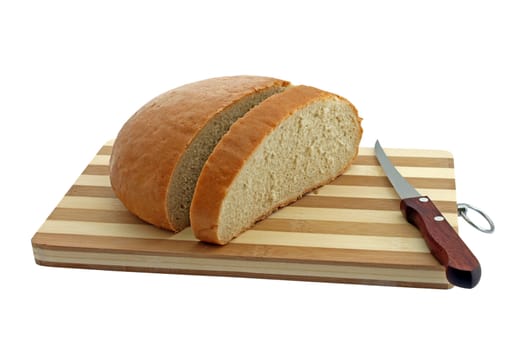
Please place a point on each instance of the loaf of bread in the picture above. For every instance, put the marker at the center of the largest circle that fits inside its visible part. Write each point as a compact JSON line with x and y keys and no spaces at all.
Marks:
{"x":159,"y":153}
{"x":289,"y":144}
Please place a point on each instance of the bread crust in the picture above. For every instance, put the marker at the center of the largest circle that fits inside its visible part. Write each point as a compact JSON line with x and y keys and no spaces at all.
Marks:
{"x":236,"y":147}
{"x":152,"y":142}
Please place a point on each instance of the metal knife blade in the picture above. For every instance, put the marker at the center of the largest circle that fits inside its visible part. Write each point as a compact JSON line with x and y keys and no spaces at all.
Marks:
{"x":462,"y":267}
{"x":402,"y":187}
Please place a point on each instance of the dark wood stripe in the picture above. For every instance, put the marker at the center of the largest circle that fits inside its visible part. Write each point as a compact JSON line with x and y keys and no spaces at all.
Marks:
{"x":408,"y":161}
{"x":96,"y":170}
{"x":94,"y":215}
{"x":91,"y":191}
{"x":363,"y":203}
{"x":382,"y":181}
{"x":237,"y":251}
{"x":334,"y":227}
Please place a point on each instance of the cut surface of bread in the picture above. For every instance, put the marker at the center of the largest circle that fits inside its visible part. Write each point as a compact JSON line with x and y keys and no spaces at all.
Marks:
{"x":288,"y":145}
{"x":160,"y":151}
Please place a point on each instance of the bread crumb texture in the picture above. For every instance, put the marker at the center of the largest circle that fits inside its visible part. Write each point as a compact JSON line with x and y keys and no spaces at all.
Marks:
{"x":288,"y":145}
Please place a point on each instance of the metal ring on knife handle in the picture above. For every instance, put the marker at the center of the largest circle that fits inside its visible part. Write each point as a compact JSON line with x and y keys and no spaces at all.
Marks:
{"x":462,"y":209}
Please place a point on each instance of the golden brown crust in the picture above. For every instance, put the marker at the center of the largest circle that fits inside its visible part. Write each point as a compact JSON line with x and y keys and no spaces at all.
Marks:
{"x":151,"y":143}
{"x":235,"y":148}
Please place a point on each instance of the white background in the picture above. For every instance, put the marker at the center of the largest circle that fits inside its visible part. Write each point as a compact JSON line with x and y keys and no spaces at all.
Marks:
{"x":435,"y":75}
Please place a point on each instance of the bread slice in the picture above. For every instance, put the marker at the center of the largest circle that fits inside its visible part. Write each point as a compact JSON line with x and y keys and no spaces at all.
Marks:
{"x":288,"y":145}
{"x":160,"y":151}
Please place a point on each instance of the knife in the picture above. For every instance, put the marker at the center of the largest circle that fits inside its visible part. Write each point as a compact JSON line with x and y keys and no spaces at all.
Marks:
{"x":462,"y":267}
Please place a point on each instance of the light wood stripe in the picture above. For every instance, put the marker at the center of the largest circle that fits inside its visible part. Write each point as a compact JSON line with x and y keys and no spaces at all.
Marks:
{"x":362,"y":203}
{"x":347,"y":215}
{"x":379,"y":181}
{"x":106,"y":150}
{"x":124,"y":217}
{"x":316,"y":240}
{"x":291,"y":212}
{"x":322,"y":240}
{"x":78,"y":202}
{"x":406,"y":171}
{"x":378,"y":192}
{"x":104,"y":229}
{"x":93,"y":180}
{"x":365,"y":151}
{"x":343,"y":180}
{"x":101,"y":159}
{"x":108,"y":201}
{"x":404,"y":152}
{"x":362,"y":170}
{"x":407,"y":161}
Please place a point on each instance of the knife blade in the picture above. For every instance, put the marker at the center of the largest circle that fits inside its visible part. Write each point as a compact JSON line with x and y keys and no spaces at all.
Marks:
{"x":462,"y":267}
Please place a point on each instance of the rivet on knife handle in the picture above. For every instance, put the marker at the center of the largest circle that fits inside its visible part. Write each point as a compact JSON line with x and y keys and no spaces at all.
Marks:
{"x":462,"y":267}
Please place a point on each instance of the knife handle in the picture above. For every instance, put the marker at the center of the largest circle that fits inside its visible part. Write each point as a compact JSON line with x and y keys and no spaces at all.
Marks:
{"x":462,"y":267}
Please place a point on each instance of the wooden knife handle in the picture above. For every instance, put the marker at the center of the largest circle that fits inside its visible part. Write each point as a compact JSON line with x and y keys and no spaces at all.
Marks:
{"x":462,"y":267}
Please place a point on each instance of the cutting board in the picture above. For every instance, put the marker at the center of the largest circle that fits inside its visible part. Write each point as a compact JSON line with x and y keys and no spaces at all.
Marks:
{"x":349,"y":231}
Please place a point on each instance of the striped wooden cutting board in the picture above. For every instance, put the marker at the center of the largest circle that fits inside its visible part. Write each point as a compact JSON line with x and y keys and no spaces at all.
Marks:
{"x":348,"y":231}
